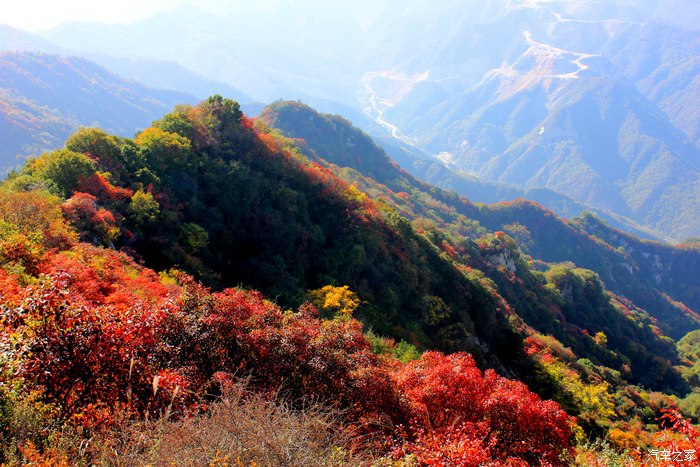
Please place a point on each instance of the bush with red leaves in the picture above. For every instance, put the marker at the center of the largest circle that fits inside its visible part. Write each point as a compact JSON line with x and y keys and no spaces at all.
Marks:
{"x":450,"y":397}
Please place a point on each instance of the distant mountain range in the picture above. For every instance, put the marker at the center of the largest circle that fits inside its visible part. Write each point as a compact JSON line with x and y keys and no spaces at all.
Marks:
{"x":156,"y":73}
{"x":583,"y":98}
{"x":44,"y":98}
{"x":596,"y":101}
{"x":39,"y":118}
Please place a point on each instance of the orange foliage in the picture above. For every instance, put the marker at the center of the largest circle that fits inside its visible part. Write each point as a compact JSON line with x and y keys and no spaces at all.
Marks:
{"x":98,"y":186}
{"x":678,"y":444}
{"x":462,"y":444}
{"x":53,"y":458}
{"x":90,"y":219}
{"x":38,"y":212}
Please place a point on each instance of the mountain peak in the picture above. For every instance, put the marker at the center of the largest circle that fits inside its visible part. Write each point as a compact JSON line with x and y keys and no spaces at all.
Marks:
{"x":333,"y":138}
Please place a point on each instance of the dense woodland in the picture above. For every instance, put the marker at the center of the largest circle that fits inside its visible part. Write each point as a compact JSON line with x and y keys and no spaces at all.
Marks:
{"x":215,"y":263}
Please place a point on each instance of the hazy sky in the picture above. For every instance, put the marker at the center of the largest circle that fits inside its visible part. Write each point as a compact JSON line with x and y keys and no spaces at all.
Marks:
{"x":34,"y":15}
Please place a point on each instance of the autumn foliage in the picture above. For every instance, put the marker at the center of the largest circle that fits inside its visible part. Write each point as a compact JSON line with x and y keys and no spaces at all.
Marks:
{"x":97,"y":335}
{"x":90,"y":338}
{"x":460,"y":411}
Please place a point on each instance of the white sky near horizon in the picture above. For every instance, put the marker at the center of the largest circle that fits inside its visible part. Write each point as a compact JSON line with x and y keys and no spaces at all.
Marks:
{"x":37,"y":15}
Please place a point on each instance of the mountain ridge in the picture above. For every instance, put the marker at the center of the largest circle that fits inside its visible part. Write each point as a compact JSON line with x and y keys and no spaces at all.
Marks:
{"x":460,"y":58}
{"x":46,"y":97}
{"x":554,"y":239}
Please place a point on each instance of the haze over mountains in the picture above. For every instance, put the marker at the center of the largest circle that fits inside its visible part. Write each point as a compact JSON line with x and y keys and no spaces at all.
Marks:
{"x":44,"y":98}
{"x":595,"y":100}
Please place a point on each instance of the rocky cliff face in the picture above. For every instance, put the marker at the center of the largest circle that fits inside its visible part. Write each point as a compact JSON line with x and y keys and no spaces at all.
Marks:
{"x":503,"y":258}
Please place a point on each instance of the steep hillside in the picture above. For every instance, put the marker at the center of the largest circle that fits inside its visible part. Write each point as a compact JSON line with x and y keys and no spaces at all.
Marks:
{"x":663,"y":60}
{"x":543,"y":235}
{"x":137,"y":359}
{"x":46,"y":97}
{"x":425,"y":167}
{"x":232,"y":201}
{"x":593,"y":101}
{"x":237,"y":207}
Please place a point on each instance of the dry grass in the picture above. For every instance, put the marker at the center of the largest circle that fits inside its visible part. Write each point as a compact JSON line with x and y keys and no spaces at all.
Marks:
{"x":240,"y":429}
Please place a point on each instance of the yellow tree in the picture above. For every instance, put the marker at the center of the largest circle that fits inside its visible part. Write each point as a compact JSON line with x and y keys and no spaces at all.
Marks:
{"x":337,"y":301}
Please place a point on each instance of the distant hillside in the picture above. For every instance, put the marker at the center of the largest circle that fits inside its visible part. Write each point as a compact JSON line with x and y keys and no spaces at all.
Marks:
{"x":46,"y":97}
{"x":599,"y":141}
{"x":664,"y":62}
{"x":156,"y":73}
{"x":241,"y":49}
{"x":17,"y":40}
{"x":436,"y":172}
{"x":651,"y":274}
{"x":598,"y":102}
{"x":169,"y":75}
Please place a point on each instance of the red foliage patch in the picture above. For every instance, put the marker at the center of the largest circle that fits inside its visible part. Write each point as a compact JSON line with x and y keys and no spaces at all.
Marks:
{"x":450,"y":393}
{"x":117,"y":337}
{"x":98,"y":186}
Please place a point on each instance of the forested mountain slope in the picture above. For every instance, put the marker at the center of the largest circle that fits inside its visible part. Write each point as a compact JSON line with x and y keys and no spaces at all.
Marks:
{"x":105,"y":361}
{"x":233,"y":202}
{"x":653,"y":275}
{"x":437,"y":173}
